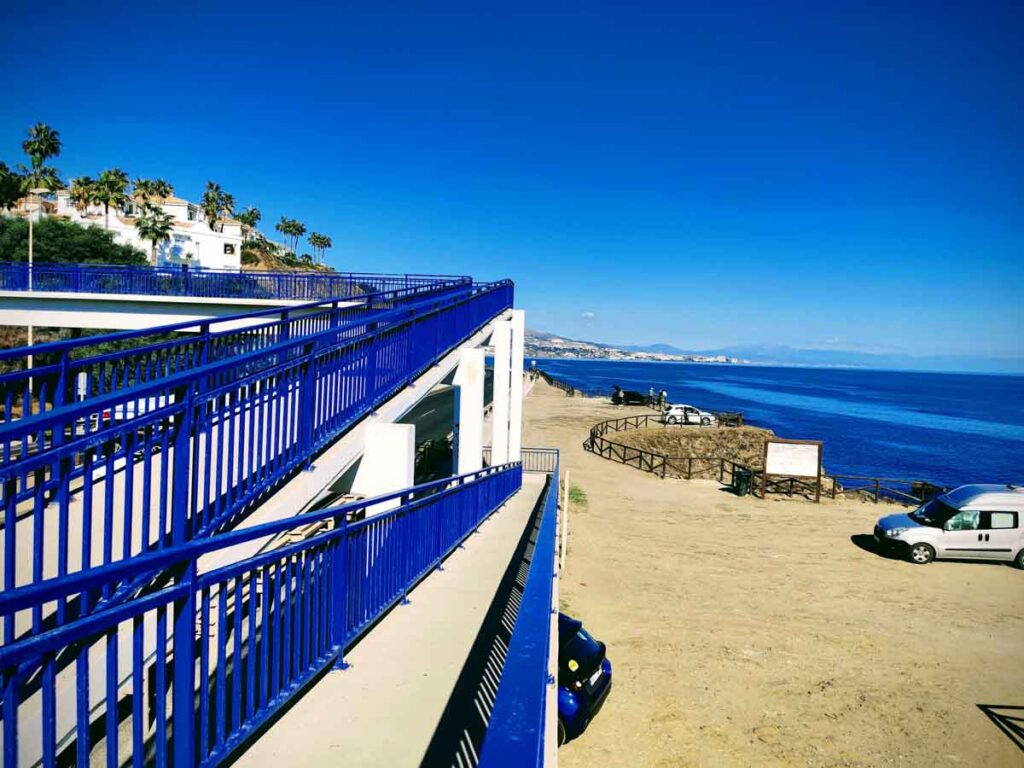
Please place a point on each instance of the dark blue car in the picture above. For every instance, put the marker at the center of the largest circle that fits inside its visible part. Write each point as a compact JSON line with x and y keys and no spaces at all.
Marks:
{"x":584,"y":678}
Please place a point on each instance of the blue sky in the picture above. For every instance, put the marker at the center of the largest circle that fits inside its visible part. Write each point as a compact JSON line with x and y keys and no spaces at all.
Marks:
{"x":816,"y":175}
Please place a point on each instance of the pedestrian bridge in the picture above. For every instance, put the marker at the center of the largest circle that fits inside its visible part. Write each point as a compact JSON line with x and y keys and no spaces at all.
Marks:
{"x":110,"y":297}
{"x":140,"y":599}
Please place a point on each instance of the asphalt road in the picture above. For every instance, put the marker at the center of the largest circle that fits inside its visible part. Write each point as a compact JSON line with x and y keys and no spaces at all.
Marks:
{"x":434,"y":415}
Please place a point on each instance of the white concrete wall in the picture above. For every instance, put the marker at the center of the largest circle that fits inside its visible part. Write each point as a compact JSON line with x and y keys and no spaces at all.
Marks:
{"x":388,"y":463}
{"x":515,"y":405}
{"x":469,"y":403}
{"x":501,"y":339}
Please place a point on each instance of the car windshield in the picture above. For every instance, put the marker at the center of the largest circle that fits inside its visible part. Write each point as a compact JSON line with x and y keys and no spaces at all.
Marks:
{"x":934,"y":513}
{"x":578,"y":654}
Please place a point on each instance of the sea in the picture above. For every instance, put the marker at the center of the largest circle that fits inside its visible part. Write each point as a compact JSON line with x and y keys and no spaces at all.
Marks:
{"x":947,"y":428}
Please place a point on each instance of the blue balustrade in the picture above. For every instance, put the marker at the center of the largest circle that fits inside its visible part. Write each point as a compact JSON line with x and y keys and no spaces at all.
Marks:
{"x":186,"y":449}
{"x":516,"y":729}
{"x":202,"y":283}
{"x":75,"y":369}
{"x":209,"y":656}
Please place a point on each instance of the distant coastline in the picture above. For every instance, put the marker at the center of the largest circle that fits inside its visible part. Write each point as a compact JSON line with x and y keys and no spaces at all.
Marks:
{"x":550,"y":347}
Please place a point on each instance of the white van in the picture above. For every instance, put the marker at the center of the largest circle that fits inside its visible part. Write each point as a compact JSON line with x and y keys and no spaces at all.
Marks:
{"x":973,"y":522}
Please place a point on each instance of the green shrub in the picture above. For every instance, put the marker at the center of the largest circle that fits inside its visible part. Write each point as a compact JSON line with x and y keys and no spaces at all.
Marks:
{"x":56,"y":240}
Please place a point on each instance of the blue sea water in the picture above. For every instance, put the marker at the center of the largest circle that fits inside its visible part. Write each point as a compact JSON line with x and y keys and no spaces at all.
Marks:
{"x":950,"y":428}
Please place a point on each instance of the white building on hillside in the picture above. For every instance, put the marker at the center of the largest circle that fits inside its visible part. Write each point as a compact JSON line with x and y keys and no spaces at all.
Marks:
{"x":192,"y":240}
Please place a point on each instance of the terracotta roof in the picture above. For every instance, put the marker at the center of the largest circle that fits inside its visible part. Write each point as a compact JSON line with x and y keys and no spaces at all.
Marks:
{"x":174,"y":200}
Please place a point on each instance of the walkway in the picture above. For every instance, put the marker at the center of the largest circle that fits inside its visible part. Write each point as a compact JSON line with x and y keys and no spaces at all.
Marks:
{"x":384,"y":709}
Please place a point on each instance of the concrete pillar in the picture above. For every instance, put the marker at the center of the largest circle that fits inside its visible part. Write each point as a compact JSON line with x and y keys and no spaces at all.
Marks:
{"x":502,"y":341}
{"x":469,"y":411}
{"x":515,"y":405}
{"x":389,"y":458}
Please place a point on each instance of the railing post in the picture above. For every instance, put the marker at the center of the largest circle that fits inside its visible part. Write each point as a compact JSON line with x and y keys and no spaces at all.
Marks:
{"x":877,"y":484}
{"x":307,"y":406}
{"x":183,"y":697}
{"x":204,"y":355}
{"x":339,"y":599}
{"x":181,"y":469}
{"x":285,"y":331}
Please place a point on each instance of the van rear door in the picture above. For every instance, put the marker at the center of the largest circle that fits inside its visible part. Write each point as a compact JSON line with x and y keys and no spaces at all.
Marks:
{"x":1001,"y":533}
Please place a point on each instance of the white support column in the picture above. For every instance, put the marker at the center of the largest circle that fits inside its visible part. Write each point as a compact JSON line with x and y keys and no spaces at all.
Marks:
{"x":502,"y":341}
{"x":469,"y":416}
{"x":389,"y":458}
{"x":515,"y":406}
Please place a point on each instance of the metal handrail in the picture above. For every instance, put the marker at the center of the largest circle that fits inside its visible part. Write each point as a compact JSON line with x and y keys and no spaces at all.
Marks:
{"x":257,"y":630}
{"x":205,"y":445}
{"x":516,"y":728}
{"x":201,"y":282}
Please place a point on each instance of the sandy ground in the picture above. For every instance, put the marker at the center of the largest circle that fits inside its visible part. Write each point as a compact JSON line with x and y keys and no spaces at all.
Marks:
{"x":757,"y":633}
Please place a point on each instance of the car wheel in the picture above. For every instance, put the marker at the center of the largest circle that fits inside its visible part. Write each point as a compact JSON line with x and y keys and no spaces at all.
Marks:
{"x":673,"y":420}
{"x":921,"y":554}
{"x":1019,"y":560}
{"x":561,"y":732}
{"x":705,"y":421}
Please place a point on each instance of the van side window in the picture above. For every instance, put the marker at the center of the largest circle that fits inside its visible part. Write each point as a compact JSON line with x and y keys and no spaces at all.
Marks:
{"x":998,"y":520}
{"x":968,"y":520}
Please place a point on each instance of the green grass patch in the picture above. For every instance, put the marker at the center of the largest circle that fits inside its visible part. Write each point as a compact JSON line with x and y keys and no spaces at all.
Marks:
{"x":577,"y":496}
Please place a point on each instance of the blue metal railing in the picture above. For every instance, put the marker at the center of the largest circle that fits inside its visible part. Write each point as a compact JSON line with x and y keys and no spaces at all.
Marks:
{"x":188,"y":452}
{"x":516,"y":729}
{"x":77,"y":369}
{"x":211,"y":656}
{"x":202,"y":283}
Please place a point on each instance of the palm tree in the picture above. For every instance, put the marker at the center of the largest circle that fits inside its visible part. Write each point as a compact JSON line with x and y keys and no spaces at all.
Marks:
{"x":298,"y":229}
{"x":163,"y":188}
{"x":217,"y":204}
{"x":282,"y":226}
{"x":320,"y":243}
{"x":111,"y":188}
{"x":211,"y":203}
{"x":250,"y":217}
{"x":10,"y":186}
{"x":292,"y":229}
{"x":83,"y":192}
{"x":154,"y":225}
{"x":43,"y":142}
{"x":227,"y":206}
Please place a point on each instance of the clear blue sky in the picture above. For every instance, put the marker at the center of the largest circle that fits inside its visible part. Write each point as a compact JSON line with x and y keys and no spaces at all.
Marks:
{"x":813,"y":174}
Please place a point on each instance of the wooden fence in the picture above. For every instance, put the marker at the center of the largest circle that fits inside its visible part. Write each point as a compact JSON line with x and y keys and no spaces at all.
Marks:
{"x":722,"y":468}
{"x":725,"y":469}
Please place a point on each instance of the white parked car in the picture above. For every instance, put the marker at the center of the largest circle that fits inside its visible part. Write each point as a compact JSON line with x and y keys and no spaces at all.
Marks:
{"x":686,"y":414}
{"x":973,"y":522}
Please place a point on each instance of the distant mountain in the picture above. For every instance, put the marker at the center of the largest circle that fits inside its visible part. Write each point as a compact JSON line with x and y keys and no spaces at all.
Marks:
{"x":550,"y":345}
{"x":784,"y":355}
{"x":661,"y":349}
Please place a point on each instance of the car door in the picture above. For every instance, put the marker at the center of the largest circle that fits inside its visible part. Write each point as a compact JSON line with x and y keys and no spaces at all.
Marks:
{"x":691,"y":416}
{"x":960,"y":536}
{"x":1001,"y":535}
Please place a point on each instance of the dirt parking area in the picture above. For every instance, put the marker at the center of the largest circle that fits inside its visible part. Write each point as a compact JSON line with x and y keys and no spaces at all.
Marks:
{"x":759,"y":633}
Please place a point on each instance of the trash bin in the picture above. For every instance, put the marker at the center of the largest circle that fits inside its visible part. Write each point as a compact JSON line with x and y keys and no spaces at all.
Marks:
{"x":741,"y":482}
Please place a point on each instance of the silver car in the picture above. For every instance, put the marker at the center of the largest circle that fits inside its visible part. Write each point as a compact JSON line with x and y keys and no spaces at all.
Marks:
{"x":679,"y":413}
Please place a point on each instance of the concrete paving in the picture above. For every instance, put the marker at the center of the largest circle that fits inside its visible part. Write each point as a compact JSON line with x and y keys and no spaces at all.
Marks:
{"x":384,"y":709}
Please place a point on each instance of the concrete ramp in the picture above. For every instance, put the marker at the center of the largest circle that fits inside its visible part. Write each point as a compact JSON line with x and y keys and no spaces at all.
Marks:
{"x":384,"y":709}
